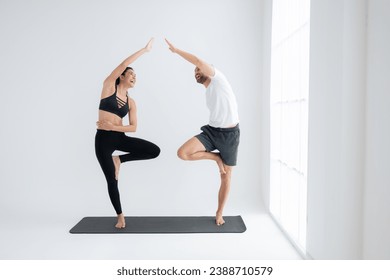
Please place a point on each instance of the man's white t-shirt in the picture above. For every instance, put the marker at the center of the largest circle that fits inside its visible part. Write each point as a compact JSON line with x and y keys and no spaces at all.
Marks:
{"x":221,"y":102}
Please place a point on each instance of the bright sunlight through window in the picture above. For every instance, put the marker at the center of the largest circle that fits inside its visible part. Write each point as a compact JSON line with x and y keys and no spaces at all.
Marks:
{"x":289,"y":116}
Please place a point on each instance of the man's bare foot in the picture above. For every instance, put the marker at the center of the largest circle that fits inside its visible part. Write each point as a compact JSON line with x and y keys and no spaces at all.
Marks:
{"x":221,"y":165}
{"x":117,"y":164}
{"x":219,"y":219}
{"x":121,"y":221}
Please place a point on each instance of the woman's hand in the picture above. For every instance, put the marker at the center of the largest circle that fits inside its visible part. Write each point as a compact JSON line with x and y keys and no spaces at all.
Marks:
{"x":105,"y":125}
{"x":149,"y":45}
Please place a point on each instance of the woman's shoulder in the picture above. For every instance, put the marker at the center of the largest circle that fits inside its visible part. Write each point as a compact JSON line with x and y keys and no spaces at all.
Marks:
{"x":108,"y":90}
{"x":131,"y":102}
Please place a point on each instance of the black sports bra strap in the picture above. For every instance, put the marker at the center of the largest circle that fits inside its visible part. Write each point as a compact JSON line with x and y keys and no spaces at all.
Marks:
{"x":120,"y":101}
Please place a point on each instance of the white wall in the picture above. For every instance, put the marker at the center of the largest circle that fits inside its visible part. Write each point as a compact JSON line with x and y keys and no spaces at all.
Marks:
{"x":54,"y":57}
{"x":336,"y":129}
{"x":376,"y":234}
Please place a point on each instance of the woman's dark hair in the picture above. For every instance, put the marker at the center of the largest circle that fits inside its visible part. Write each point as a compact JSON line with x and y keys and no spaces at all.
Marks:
{"x":124,"y":72}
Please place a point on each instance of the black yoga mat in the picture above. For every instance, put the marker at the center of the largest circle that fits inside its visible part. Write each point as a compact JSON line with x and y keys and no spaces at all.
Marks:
{"x":160,"y":224}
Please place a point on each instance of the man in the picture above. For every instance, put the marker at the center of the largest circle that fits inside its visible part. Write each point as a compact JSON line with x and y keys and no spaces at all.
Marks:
{"x":222,"y":133}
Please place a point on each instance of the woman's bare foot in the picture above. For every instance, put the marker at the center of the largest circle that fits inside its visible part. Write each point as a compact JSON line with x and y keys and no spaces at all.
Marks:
{"x":117,"y":164}
{"x":121,"y":221}
{"x":221,"y":165}
{"x":219,"y":219}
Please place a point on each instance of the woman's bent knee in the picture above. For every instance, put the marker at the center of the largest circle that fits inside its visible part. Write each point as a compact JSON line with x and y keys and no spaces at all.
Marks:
{"x":156,"y":152}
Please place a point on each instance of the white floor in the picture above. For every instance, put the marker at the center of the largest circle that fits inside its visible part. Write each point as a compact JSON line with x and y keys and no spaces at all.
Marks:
{"x":41,"y":240}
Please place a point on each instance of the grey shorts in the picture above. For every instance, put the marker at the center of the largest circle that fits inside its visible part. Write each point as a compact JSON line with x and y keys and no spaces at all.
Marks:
{"x":225,"y":140}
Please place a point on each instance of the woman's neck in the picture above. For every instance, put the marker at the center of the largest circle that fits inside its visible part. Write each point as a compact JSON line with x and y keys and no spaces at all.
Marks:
{"x":122,"y":90}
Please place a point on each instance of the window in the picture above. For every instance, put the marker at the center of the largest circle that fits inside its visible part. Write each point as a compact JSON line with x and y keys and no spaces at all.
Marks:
{"x":289,"y":116}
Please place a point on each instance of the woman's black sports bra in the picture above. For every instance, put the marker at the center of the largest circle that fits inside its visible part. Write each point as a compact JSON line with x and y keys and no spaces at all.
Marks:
{"x":115,"y":105}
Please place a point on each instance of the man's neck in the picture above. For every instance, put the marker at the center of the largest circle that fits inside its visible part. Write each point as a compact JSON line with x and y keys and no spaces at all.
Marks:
{"x":207,"y":82}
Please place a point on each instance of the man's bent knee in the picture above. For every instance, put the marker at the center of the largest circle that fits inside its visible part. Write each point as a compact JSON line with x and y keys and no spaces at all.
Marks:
{"x":182,"y":154}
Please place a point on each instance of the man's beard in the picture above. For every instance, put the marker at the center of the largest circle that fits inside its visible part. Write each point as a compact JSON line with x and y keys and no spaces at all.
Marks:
{"x":201,"y":79}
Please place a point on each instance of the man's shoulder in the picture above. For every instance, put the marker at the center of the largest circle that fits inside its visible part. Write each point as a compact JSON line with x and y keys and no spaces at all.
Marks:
{"x":219,"y":76}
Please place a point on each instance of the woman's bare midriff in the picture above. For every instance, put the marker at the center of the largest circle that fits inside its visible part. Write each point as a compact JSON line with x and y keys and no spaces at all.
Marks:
{"x":110,"y":117}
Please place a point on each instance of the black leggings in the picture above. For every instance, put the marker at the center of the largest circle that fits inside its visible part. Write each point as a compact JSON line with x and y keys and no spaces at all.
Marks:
{"x":106,"y":142}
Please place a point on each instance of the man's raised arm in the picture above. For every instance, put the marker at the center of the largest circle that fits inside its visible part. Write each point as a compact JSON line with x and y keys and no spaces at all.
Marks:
{"x":206,"y":68}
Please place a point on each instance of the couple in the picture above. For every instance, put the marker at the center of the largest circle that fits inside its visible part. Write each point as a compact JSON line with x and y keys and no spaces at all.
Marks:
{"x":222,"y":133}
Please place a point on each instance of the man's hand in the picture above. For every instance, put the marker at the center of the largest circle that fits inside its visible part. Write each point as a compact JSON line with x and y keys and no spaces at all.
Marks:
{"x":171,"y":47}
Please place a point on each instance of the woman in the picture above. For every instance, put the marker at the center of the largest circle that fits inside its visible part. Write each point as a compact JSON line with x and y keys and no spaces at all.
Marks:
{"x":110,"y":136}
